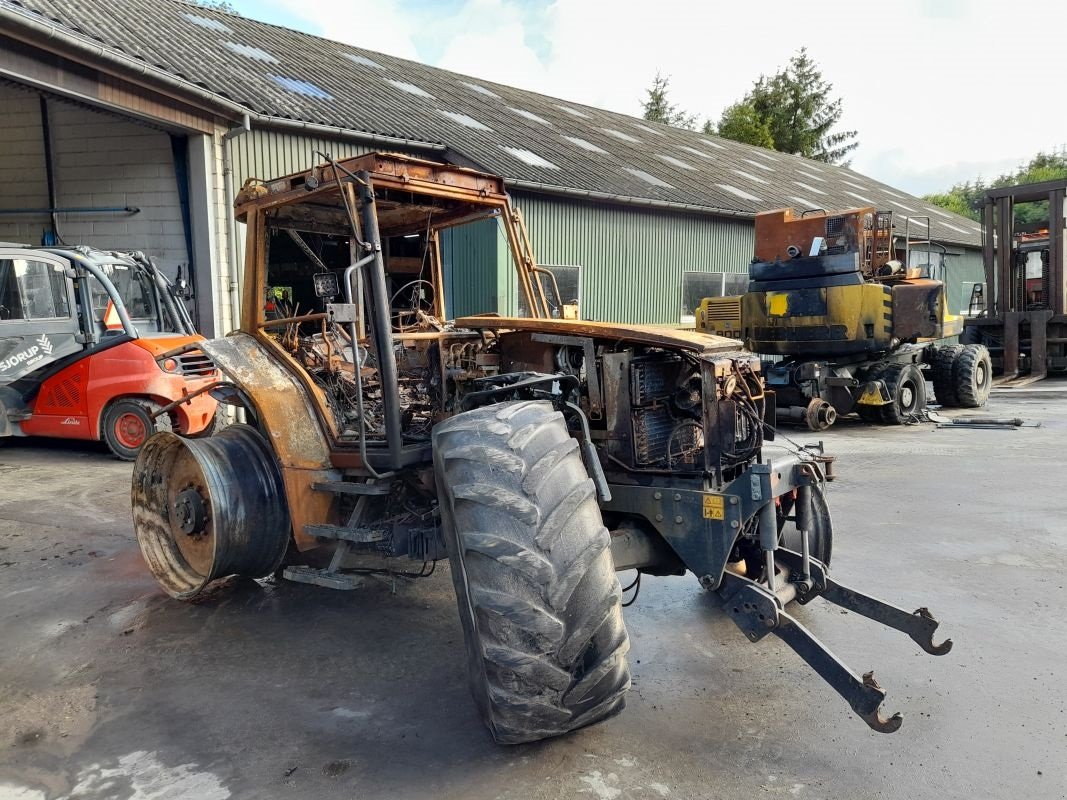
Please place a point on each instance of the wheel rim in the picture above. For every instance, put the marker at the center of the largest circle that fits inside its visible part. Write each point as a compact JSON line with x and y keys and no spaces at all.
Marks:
{"x":130,"y":430}
{"x":907,"y":397}
{"x":980,"y":375}
{"x":207,"y":508}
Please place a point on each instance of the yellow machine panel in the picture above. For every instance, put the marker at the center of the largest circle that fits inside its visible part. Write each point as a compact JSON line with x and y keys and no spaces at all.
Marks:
{"x":720,"y":316}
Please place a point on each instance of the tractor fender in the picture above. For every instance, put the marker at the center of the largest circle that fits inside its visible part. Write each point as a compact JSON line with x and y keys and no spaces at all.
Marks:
{"x":288,"y":419}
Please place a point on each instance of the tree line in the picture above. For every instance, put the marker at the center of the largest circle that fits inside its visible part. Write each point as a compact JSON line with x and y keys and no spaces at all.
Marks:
{"x":791,"y":111}
{"x":795,"y":111}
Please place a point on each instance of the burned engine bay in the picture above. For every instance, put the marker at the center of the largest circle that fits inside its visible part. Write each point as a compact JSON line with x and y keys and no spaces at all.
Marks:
{"x":646,"y":407}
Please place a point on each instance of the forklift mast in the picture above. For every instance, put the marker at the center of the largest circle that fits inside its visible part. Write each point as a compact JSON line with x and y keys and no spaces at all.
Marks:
{"x":1024,"y":319}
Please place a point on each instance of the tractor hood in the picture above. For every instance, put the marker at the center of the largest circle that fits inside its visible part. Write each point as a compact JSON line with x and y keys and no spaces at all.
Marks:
{"x":650,"y":335}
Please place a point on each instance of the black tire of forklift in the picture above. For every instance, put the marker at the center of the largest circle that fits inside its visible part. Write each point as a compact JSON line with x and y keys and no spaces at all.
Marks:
{"x":907,"y":390}
{"x":127,"y":425}
{"x":531,"y":562}
{"x":942,"y":375}
{"x":821,"y":535}
{"x":972,"y":375}
{"x":872,"y":414}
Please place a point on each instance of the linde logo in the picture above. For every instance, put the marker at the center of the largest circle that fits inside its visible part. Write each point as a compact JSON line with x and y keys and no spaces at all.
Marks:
{"x":29,"y":356}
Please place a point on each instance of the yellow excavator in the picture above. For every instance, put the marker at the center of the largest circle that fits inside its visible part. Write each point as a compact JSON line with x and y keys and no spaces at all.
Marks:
{"x":848,"y":325}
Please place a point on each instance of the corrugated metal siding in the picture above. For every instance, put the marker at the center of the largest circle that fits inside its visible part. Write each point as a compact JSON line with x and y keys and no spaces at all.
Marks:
{"x":270,"y":154}
{"x":632,"y":259}
{"x":469,"y":260}
{"x":963,"y":267}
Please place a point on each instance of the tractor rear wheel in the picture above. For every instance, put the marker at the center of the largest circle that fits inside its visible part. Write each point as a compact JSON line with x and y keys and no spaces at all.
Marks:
{"x":972,"y":376}
{"x":943,"y":376}
{"x":127,"y":424}
{"x":907,"y":392}
{"x":207,"y":508}
{"x":531,"y":562}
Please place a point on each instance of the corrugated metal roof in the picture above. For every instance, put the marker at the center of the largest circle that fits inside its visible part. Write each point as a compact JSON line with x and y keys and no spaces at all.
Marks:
{"x":319,"y":81}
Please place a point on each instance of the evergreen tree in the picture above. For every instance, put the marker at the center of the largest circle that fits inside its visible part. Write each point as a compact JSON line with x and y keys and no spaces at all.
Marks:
{"x":658,"y":108}
{"x":796,"y":110}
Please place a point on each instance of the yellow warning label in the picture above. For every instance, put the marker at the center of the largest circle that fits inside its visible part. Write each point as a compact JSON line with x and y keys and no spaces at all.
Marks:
{"x":714,"y":507}
{"x":778,"y":304}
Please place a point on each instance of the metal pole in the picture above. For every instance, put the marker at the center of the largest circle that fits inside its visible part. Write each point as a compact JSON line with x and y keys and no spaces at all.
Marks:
{"x":381,"y":322}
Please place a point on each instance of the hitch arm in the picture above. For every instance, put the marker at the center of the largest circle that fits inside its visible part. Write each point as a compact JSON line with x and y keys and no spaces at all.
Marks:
{"x":919,"y":625}
{"x":758,"y":612}
{"x":864,"y":694}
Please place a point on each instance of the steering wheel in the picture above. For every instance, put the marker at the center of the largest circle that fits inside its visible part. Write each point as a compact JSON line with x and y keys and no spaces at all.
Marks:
{"x":420,"y":305}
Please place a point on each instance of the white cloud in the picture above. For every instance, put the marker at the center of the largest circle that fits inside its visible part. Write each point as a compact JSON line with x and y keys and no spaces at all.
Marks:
{"x":939,"y":90}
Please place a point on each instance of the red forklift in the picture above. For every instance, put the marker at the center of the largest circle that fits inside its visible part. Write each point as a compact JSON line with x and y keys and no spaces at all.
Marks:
{"x":1021,"y":315}
{"x":97,"y":345}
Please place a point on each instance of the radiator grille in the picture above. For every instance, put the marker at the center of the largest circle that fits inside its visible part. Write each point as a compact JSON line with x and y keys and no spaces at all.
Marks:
{"x":196,"y":364}
{"x":724,"y":309}
{"x":653,"y":380}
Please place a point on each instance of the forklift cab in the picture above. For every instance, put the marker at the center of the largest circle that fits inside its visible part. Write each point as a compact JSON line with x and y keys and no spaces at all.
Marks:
{"x":40,"y":318}
{"x":92,"y":345}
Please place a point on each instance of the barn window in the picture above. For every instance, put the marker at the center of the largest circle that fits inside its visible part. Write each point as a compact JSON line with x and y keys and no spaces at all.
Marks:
{"x":568,"y":279}
{"x":698,"y":285}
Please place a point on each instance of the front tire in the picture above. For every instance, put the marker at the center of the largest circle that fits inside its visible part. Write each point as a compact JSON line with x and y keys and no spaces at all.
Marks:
{"x":907,"y":392}
{"x":531,"y":563}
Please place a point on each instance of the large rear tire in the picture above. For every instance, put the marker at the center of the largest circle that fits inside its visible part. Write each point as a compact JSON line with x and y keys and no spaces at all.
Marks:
{"x":531,"y":563}
{"x":972,"y":375}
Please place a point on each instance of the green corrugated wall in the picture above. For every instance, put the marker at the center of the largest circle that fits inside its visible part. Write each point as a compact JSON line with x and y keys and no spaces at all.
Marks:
{"x":632,"y":259}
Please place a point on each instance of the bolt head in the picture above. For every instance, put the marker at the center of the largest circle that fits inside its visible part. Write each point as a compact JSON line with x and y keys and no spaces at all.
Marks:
{"x":658,"y":496}
{"x":678,"y":520}
{"x":677,"y":497}
{"x":733,"y":523}
{"x":733,"y":501}
{"x":659,"y":518}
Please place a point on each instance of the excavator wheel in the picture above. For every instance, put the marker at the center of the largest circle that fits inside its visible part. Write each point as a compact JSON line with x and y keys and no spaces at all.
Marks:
{"x":907,"y":390}
{"x":207,"y":508}
{"x":943,"y":375}
{"x":531,"y":562}
{"x":972,"y":376}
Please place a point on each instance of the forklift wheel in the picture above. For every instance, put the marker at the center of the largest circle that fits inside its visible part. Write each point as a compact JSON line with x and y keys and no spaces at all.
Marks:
{"x":127,"y":425}
{"x":531,"y":562}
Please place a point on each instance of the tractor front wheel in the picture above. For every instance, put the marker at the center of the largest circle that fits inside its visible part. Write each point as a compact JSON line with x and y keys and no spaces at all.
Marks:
{"x":531,"y":562}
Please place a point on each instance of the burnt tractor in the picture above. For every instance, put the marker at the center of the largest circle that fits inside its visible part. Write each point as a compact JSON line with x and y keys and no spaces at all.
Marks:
{"x":539,"y":455}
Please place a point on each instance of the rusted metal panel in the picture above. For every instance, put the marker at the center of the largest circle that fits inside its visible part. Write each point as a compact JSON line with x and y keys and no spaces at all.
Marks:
{"x":286,"y":415}
{"x":639,"y":334}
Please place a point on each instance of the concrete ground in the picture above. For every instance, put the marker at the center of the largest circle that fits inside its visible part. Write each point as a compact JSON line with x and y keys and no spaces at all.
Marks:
{"x":109,"y":689}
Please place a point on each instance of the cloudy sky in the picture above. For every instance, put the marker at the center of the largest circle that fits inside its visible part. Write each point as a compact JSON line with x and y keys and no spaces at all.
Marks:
{"x":939,"y":90}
